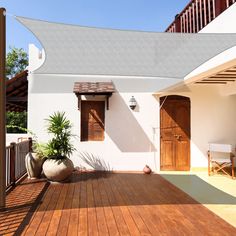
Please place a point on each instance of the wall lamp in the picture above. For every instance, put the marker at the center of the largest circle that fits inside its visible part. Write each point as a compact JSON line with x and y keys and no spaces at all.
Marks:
{"x":132,"y":103}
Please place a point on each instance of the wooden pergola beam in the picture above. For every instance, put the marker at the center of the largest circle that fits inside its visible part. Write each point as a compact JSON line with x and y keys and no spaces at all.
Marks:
{"x":17,"y":99}
{"x":2,"y":108}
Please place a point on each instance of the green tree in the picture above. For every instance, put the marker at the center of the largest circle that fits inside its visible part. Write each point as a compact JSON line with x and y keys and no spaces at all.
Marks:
{"x":16,"y":122}
{"x":16,"y":61}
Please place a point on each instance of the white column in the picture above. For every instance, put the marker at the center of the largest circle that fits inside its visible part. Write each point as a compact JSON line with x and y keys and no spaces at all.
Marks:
{"x":193,"y":14}
{"x":187,"y":21}
{"x":209,"y":10}
{"x":197,"y":19}
{"x":184,"y":25}
{"x":205,"y":11}
{"x":190,"y":19}
{"x":227,"y":3}
{"x":214,"y":9}
{"x":200,"y":11}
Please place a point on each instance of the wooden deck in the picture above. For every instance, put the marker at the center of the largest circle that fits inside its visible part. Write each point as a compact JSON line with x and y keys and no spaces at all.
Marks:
{"x":99,"y":203}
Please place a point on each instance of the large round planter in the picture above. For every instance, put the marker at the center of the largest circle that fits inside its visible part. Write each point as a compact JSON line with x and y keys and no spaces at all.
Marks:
{"x":58,"y":169}
{"x":33,"y":164}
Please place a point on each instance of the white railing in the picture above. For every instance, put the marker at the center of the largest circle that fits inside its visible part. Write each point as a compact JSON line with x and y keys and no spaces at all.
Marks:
{"x":15,"y":160}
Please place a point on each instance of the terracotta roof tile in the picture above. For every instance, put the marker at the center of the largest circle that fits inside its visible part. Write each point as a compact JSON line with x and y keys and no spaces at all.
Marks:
{"x":93,"y":87}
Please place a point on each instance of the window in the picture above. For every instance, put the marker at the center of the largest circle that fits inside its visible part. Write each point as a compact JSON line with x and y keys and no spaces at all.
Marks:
{"x":92,"y":120}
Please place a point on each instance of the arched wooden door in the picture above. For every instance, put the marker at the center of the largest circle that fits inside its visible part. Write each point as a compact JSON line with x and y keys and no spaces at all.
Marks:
{"x":175,"y":133}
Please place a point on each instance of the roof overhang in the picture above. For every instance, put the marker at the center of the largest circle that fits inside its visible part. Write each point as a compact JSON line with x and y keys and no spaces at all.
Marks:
{"x":224,"y":74}
{"x":17,"y":92}
{"x":94,"y":89}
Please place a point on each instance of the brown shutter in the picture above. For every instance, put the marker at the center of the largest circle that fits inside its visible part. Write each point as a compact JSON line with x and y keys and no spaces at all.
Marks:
{"x":92,"y":120}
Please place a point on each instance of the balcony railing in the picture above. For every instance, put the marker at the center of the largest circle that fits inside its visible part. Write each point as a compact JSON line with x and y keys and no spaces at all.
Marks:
{"x":15,"y":161}
{"x":197,"y":14}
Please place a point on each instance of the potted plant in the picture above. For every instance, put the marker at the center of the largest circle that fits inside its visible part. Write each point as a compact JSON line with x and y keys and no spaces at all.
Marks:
{"x":58,"y":166}
{"x":34,"y":161}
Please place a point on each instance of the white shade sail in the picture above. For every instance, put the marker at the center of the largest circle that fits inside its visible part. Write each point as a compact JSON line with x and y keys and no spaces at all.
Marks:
{"x":72,"y":49}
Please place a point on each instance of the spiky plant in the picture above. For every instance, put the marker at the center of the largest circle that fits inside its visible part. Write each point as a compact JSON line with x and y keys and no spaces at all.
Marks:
{"x":60,"y":145}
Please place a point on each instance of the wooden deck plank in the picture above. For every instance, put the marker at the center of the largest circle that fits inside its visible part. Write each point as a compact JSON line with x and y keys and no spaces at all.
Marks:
{"x":92,"y":219}
{"x":12,"y":201}
{"x":74,"y":215}
{"x":37,"y":217}
{"x":167,"y":215}
{"x":54,"y":223}
{"x":128,"y":197}
{"x":35,"y":190}
{"x":120,"y":222}
{"x":101,"y":220}
{"x":83,"y":213}
{"x":110,"y":219}
{"x":180,"y":202}
{"x":133,"y":230}
{"x":45,"y":222}
{"x":19,"y":201}
{"x":65,"y":216}
{"x":129,"y":188}
{"x":95,"y":203}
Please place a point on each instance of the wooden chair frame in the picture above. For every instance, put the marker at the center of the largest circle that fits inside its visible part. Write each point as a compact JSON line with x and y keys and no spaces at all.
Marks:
{"x":216,"y":165}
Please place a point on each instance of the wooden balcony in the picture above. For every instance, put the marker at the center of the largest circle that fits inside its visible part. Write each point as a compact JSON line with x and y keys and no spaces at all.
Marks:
{"x":98,"y":203}
{"x":197,"y":14}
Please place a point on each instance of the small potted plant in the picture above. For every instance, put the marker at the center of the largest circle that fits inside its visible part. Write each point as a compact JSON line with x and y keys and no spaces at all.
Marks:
{"x":58,"y":166}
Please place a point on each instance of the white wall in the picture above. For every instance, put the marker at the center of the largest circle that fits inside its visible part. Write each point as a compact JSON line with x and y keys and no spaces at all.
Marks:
{"x":129,"y":143}
{"x":132,"y":137}
{"x":14,"y":137}
{"x":212,"y":120}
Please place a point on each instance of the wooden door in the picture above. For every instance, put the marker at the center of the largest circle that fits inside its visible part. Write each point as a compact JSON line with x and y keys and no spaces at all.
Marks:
{"x":175,"y":133}
{"x":92,"y":120}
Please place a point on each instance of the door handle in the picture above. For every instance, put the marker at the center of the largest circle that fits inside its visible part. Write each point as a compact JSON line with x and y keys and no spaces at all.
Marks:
{"x":177,"y":136}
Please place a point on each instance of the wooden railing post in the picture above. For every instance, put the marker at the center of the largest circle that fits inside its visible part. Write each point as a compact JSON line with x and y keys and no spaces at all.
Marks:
{"x":12,"y":163}
{"x":30,"y":144}
{"x":2,"y":108}
{"x":177,"y":24}
{"x":220,"y":6}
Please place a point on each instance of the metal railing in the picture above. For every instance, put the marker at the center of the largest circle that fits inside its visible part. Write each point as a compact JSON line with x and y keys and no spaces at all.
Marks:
{"x":15,"y":160}
{"x":197,"y":14}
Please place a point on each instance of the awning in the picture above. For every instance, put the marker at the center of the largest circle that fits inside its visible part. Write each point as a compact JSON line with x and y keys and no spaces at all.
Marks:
{"x":78,"y":50}
{"x":91,"y":88}
{"x":94,"y":88}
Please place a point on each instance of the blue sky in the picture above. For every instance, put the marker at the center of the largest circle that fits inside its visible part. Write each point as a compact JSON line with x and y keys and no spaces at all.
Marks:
{"x":146,"y":15}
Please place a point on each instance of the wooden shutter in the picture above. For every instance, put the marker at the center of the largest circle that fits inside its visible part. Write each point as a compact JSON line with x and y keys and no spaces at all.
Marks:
{"x":92,"y":120}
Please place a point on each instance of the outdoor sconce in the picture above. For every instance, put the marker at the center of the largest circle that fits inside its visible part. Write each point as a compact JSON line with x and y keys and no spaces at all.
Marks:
{"x":132,"y":103}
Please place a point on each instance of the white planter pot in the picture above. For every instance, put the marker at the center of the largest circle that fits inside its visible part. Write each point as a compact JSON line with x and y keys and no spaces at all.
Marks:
{"x":33,"y":164}
{"x":58,"y":169}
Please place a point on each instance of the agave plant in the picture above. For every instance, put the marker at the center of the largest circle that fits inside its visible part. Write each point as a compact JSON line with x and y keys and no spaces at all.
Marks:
{"x":60,"y":145}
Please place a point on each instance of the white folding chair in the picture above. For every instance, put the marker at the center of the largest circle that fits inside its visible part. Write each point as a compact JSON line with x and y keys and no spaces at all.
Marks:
{"x":220,"y":157}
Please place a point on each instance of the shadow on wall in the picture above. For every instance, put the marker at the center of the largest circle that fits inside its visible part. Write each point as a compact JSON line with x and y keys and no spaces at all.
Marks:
{"x":94,"y":161}
{"x":123,"y":128}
